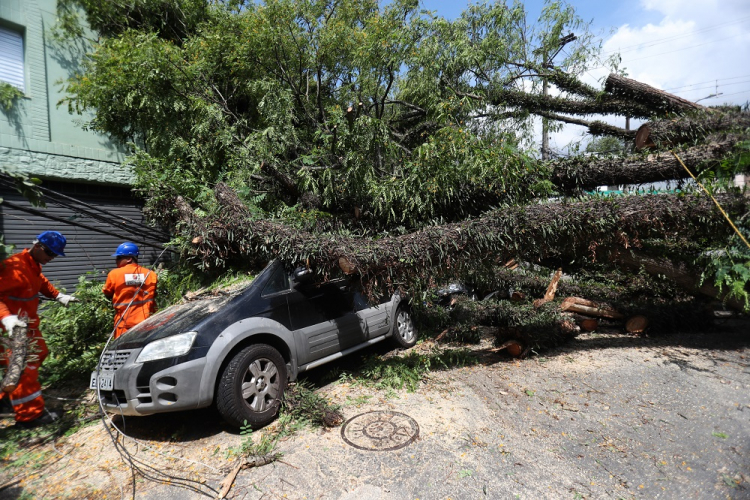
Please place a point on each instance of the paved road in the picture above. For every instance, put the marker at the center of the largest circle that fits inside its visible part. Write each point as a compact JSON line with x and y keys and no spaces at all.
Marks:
{"x":605,"y":416}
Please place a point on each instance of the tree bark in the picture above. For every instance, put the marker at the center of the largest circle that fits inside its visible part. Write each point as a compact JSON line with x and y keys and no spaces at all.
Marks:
{"x":658,"y":101}
{"x":16,"y":352}
{"x":689,"y":128}
{"x":589,"y":173}
{"x":536,"y":103}
{"x":595,"y":127}
{"x":589,"y":308}
{"x":531,"y":233}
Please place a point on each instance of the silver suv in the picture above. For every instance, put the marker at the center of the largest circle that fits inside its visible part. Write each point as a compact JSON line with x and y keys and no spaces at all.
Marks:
{"x":238,"y":351}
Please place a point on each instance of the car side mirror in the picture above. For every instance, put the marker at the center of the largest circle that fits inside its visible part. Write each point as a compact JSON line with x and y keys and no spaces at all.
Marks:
{"x":302,"y":275}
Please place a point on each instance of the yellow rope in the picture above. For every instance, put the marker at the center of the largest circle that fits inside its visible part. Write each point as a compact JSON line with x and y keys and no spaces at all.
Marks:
{"x":712,"y":197}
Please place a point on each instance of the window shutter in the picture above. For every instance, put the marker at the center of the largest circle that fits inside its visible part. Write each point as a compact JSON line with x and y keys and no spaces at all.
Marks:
{"x":11,"y":58}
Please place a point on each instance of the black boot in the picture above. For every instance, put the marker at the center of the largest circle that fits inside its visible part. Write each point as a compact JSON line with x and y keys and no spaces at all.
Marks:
{"x":6,"y":409}
{"x":47,"y":418}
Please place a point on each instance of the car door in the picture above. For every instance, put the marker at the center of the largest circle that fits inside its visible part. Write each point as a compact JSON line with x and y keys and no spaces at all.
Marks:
{"x":374,"y":317}
{"x":324,"y":320}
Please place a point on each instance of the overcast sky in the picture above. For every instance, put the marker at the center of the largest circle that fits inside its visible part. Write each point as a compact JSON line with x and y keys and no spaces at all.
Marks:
{"x":691,"y":48}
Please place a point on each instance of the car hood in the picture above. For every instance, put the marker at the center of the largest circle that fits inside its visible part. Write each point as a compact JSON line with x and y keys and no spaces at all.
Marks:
{"x":175,"y":319}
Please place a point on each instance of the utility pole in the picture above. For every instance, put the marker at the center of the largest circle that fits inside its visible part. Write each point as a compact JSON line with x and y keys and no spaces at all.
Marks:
{"x":545,"y":90}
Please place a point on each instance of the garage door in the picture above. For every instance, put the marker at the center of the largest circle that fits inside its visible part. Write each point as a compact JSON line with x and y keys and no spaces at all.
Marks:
{"x":94,"y":219}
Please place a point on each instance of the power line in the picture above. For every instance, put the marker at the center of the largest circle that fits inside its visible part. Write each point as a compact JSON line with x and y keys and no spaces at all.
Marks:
{"x":95,"y":213}
{"x":746,"y":91}
{"x":84,"y":226}
{"x":668,"y":52}
{"x":714,"y":86}
{"x":709,"y":81}
{"x":658,"y":41}
{"x":684,"y":48}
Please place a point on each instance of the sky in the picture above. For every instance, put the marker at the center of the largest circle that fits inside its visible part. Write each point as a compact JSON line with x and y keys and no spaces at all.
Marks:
{"x":695,"y":49}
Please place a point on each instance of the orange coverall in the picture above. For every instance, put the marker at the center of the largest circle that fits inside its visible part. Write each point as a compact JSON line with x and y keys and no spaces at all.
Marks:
{"x":121,"y":286}
{"x":21,"y":279}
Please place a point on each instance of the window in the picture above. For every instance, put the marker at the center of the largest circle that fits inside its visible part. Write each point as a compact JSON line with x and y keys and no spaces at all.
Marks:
{"x":11,"y":58}
{"x":279,"y":282}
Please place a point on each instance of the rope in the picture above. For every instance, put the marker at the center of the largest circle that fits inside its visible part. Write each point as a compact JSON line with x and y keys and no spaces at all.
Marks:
{"x":715,"y":201}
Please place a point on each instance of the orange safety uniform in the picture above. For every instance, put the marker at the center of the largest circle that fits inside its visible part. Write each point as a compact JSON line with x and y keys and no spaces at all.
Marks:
{"x":21,"y":280}
{"x":122,"y":287}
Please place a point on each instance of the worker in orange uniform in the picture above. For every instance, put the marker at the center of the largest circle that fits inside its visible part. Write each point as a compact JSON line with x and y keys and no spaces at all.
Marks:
{"x":131,"y":288}
{"x":21,"y":280}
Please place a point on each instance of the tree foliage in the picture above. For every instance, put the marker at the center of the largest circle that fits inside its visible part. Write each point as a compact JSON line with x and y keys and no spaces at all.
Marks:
{"x":382,"y":134}
{"x":343,"y":107}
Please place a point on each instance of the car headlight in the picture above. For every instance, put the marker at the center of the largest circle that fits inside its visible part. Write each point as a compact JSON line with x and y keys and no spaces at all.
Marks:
{"x":170,"y":347}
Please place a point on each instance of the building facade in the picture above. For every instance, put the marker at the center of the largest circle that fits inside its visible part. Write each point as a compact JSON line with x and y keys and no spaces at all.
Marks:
{"x":88,"y":196}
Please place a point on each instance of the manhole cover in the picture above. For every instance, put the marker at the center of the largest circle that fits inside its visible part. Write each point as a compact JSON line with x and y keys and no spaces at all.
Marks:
{"x":380,"y":431}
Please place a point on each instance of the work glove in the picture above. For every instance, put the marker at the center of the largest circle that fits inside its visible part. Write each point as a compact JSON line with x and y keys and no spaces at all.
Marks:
{"x":66,"y":299}
{"x":9,"y":322}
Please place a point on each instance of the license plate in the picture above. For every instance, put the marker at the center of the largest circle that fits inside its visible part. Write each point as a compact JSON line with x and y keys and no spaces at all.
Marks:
{"x":105,"y":381}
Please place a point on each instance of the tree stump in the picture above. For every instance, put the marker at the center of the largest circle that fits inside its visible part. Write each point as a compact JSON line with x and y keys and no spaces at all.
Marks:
{"x":636,"y":324}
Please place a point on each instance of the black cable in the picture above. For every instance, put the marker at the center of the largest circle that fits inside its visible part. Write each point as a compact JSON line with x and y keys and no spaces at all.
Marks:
{"x":108,"y":217}
{"x":120,"y":447}
{"x":84,"y":226}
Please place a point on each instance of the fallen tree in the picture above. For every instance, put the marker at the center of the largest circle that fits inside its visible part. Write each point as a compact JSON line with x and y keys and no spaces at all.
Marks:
{"x":690,"y":128}
{"x":536,"y":233}
{"x":590,"y":172}
{"x":656,"y":100}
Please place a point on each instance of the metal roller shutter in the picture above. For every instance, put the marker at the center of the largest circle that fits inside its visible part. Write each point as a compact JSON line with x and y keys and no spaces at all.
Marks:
{"x":87,"y":250}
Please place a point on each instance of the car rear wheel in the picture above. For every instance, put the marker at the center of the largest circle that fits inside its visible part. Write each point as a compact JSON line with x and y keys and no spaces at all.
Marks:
{"x":405,"y":333}
{"x":251,"y":386}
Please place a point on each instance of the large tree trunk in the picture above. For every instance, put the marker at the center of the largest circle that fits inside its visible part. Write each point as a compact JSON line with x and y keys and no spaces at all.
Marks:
{"x":658,"y":101}
{"x":689,"y":128}
{"x":536,"y":232}
{"x":688,"y":279}
{"x":589,"y":173}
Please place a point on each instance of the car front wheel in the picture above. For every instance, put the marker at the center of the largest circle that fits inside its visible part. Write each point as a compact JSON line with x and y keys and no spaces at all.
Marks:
{"x":405,"y":333}
{"x":251,"y":386}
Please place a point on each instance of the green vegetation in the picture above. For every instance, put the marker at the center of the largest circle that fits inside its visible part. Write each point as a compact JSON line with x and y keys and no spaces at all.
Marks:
{"x":8,"y":96}
{"x":407,"y":371}
{"x":76,"y":335}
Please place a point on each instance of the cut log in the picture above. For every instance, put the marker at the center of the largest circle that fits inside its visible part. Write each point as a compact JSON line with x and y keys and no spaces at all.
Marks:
{"x":590,"y":308}
{"x":17,"y":358}
{"x":643,"y":138}
{"x":589,"y":324}
{"x":512,"y":347}
{"x":517,"y":296}
{"x":346,"y":266}
{"x":636,"y":324}
{"x":645,"y":95}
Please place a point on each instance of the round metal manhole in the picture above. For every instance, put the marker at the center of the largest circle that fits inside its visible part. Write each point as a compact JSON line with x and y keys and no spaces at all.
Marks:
{"x":380,"y":431}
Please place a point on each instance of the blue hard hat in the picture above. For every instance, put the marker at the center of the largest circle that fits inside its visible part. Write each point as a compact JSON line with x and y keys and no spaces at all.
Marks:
{"x":54,"y":241}
{"x":126,"y":249}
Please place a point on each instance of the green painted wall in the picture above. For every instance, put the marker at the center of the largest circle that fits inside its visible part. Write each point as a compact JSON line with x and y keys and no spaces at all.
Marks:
{"x":37,"y":136}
